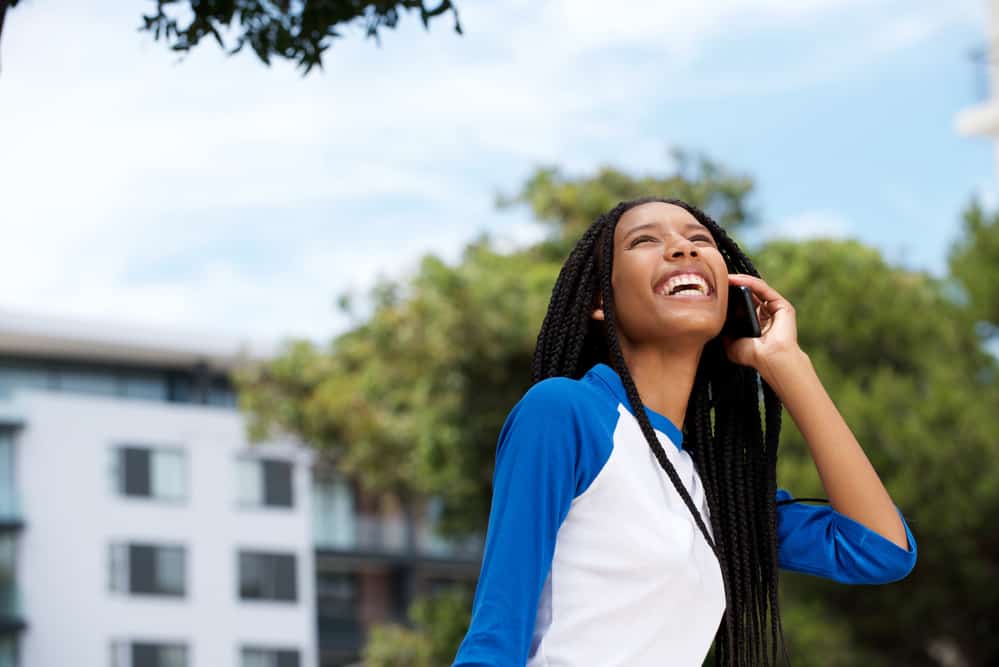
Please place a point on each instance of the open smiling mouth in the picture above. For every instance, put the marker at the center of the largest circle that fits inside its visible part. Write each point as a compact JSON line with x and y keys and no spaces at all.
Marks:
{"x":686,"y":284}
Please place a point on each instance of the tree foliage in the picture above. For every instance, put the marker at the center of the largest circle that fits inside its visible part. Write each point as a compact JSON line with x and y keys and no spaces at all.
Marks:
{"x":568,"y":205}
{"x":297,"y":30}
{"x":907,"y":370}
{"x":4,"y":6}
{"x":413,"y":398}
{"x":437,"y":625}
{"x":427,"y":381}
{"x":974,"y":264}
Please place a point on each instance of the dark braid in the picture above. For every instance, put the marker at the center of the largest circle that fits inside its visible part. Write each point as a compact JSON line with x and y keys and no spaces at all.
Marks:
{"x":734,"y":452}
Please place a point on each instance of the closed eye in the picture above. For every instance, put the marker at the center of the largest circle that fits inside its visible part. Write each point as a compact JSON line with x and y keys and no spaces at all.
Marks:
{"x":702,"y":237}
{"x":641,"y":239}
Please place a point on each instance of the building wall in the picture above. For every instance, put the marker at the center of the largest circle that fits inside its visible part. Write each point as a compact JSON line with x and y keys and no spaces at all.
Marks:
{"x":73,"y":513}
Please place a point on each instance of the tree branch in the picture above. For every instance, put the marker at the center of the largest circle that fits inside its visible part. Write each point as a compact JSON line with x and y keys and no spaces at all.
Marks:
{"x":3,"y":12}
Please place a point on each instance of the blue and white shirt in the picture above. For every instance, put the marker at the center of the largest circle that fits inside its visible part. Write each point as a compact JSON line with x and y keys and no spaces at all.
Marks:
{"x":592,"y":558}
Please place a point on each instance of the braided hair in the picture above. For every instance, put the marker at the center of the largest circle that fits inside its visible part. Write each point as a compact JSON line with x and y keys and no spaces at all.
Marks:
{"x":734,"y":452}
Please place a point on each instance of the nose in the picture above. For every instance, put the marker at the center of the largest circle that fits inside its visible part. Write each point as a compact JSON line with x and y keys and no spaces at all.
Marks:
{"x":678,"y":246}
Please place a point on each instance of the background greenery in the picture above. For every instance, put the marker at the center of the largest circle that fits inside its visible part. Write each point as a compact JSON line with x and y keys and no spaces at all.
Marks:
{"x":411,"y":399}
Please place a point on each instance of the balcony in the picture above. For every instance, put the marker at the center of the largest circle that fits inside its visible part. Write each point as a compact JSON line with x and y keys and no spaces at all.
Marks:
{"x":360,"y":533}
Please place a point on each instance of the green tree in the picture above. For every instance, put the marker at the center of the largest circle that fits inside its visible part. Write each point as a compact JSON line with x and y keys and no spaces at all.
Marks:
{"x":4,"y":5}
{"x":438,"y":624}
{"x":427,"y":381}
{"x":294,"y":30}
{"x":290,"y":29}
{"x":974,"y":264}
{"x":568,"y":205}
{"x":905,"y":367}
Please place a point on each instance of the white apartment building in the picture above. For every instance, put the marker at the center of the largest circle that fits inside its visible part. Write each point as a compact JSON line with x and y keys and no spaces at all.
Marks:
{"x":140,"y":528}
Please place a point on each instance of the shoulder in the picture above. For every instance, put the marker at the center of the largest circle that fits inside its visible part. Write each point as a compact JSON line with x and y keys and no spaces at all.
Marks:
{"x":562,"y":396}
{"x":561,"y":423}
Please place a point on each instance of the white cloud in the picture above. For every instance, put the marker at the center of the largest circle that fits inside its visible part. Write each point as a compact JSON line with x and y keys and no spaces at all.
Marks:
{"x":113,"y":156}
{"x":810,"y":225}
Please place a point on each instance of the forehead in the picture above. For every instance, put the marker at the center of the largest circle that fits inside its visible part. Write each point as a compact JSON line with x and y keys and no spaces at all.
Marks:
{"x":657,"y":213}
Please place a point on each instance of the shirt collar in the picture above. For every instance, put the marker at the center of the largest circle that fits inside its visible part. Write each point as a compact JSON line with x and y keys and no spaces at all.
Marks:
{"x":661,"y":423}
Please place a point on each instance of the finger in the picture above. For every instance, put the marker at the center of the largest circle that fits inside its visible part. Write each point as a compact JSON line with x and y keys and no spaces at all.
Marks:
{"x":758,"y":285}
{"x":771,"y":299}
{"x":762,"y":314}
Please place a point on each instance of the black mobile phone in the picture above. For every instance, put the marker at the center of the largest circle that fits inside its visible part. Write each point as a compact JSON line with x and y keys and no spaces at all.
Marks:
{"x":741,"y":321}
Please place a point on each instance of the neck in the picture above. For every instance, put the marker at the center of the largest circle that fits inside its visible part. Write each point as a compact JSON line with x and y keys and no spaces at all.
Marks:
{"x":664,"y":376}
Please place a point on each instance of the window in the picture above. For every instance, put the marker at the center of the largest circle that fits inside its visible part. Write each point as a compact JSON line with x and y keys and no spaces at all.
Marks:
{"x":145,"y":386}
{"x":265,"y":482}
{"x":86,"y":381}
{"x":338,"y":606}
{"x":148,"y":569}
{"x":8,"y":496}
{"x":334,"y":522}
{"x":8,"y":560}
{"x":267,"y":576}
{"x":146,"y":472}
{"x":8,"y":652}
{"x":268,"y":657}
{"x":148,"y":654}
{"x":16,"y":376}
{"x":199,"y":385}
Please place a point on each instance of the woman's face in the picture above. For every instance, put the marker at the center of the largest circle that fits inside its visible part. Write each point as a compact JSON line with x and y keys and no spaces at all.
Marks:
{"x":669,"y":279}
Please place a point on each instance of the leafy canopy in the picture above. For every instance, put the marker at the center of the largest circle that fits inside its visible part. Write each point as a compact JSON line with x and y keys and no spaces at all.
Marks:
{"x":297,"y":30}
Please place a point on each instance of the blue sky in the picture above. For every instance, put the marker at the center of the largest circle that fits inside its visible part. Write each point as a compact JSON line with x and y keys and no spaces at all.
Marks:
{"x":220,"y":195}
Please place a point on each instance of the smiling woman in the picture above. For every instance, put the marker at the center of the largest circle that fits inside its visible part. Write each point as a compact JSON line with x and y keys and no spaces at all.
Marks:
{"x":636,"y":517}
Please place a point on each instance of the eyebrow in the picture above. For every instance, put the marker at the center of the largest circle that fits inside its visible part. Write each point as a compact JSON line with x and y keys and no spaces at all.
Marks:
{"x":689,"y":226}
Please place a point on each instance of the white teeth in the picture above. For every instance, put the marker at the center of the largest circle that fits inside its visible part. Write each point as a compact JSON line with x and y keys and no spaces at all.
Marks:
{"x":696,"y":284}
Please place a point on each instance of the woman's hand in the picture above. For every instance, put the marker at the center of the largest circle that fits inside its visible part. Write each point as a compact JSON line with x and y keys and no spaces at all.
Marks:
{"x":778,"y":326}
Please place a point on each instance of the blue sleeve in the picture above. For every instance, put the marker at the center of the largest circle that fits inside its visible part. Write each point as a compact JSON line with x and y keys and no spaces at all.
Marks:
{"x":820,"y":541}
{"x":538,"y":473}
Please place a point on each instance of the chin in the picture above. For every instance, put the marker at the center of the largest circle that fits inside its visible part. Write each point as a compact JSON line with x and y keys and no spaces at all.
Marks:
{"x":697,"y":331}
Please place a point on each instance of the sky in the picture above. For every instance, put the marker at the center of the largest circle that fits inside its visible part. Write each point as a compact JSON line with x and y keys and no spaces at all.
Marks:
{"x":215,"y":194}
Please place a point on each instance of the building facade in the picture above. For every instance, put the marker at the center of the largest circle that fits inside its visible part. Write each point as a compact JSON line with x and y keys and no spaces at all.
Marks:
{"x":982,"y":119}
{"x":140,"y":528}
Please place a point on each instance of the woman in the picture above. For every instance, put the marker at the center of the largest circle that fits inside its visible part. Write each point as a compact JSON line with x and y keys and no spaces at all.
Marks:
{"x":635,"y":513}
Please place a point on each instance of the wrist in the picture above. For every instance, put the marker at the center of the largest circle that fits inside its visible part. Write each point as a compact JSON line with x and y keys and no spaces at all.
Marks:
{"x":781,"y":367}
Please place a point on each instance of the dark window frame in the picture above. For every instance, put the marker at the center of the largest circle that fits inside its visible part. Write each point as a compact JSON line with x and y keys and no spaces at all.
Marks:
{"x":276,"y":576}
{"x":284,"y":656}
{"x":145,"y":652}
{"x":197,"y":384}
{"x":277,"y":482}
{"x":143,"y":457}
{"x":142,"y":577}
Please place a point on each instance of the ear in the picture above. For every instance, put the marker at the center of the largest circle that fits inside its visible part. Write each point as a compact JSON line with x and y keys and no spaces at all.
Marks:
{"x":598,"y":312}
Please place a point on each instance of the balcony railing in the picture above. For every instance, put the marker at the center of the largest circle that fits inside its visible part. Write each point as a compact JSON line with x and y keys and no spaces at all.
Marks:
{"x":390,"y":536}
{"x":360,"y":533}
{"x":429,"y":543}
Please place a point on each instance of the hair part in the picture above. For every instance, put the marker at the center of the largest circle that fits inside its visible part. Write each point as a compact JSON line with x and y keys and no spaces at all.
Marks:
{"x":734,"y":452}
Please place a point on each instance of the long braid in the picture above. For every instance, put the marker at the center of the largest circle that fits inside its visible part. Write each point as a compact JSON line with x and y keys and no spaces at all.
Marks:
{"x":735,"y":455}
